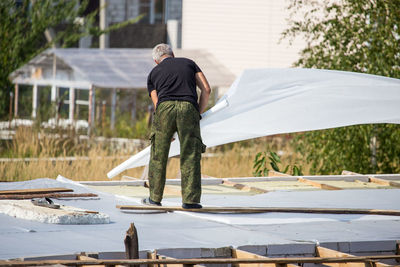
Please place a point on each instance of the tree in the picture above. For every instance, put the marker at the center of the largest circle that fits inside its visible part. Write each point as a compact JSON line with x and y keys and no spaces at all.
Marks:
{"x":23,"y":25}
{"x":350,"y":35}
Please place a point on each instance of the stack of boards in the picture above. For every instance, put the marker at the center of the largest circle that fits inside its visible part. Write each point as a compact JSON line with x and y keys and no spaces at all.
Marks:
{"x":17,"y":203}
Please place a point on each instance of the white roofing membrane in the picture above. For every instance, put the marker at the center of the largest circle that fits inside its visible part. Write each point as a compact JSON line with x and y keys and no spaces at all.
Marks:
{"x":264,"y":102}
{"x":24,"y":238}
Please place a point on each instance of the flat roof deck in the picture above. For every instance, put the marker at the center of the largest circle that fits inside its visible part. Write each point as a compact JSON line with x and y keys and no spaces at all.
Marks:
{"x":186,"y":234}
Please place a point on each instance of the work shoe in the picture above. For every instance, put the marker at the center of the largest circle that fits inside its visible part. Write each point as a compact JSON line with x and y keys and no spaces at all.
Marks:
{"x":192,"y":206}
{"x":149,"y":202}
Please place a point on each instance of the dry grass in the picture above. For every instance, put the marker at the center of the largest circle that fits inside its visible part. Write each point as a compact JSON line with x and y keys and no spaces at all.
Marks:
{"x":93,"y":162}
{"x":236,"y":160}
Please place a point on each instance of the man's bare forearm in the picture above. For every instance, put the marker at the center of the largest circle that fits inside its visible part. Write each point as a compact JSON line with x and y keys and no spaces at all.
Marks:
{"x":154,"y":98}
{"x":203,"y":101}
{"x":202,"y":83}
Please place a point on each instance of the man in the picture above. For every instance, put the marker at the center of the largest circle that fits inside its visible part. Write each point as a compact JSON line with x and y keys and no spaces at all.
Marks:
{"x":172,"y":88}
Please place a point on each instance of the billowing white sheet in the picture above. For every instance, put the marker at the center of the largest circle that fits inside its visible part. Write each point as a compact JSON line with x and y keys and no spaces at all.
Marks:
{"x":264,"y":102}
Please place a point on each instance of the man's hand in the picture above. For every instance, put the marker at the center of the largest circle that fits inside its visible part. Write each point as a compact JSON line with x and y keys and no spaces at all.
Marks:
{"x":202,"y":83}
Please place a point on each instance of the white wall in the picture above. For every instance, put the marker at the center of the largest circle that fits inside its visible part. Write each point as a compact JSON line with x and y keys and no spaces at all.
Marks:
{"x":240,"y":33}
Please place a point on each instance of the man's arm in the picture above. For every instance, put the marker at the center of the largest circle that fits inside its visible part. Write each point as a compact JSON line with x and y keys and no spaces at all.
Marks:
{"x":154,"y":98}
{"x":202,"y":83}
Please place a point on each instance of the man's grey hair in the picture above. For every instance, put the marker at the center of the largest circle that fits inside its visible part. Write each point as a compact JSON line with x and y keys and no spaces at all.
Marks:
{"x":161,"y":50}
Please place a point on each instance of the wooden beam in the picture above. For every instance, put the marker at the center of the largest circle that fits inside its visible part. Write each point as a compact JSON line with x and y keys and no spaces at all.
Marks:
{"x":371,"y":259}
{"x":151,"y":256}
{"x":86,"y":258}
{"x":16,"y":95}
{"x":131,"y":242}
{"x":35,"y":191}
{"x":306,"y":181}
{"x":241,"y":254}
{"x":244,"y":187}
{"x":34,"y":100}
{"x":277,"y":174}
{"x":380,"y":181}
{"x":10,"y":109}
{"x":326,"y":252}
{"x":71,"y":103}
{"x":373,"y":179}
{"x":50,"y":195}
{"x":158,"y":256}
{"x":92,"y":104}
{"x":264,"y":210}
{"x":155,"y":256}
{"x":318,"y":184}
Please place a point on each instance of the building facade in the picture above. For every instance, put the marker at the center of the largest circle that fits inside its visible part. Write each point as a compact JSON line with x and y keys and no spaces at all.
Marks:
{"x":240,"y":33}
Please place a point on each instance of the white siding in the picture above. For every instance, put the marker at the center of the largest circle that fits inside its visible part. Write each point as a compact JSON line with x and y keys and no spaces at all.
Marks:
{"x":240,"y":33}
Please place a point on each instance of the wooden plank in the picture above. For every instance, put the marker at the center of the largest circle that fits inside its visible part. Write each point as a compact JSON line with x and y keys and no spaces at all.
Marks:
{"x":50,"y":195}
{"x":326,"y":252}
{"x":318,"y":185}
{"x":244,"y":187}
{"x":158,"y":256}
{"x":264,"y":210}
{"x":86,"y":258}
{"x":151,"y":256}
{"x":241,"y":254}
{"x":155,"y":255}
{"x":373,"y":179}
{"x":35,"y":191}
{"x":376,"y":180}
{"x":277,"y":174}
{"x":301,"y":260}
{"x":306,"y":181}
{"x":131,"y":242}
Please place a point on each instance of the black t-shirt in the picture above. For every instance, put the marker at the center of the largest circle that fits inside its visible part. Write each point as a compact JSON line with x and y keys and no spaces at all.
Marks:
{"x":174,"y":79}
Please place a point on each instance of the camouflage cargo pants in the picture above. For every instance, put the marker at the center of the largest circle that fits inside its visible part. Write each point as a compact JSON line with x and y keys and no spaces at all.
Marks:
{"x":181,"y":117}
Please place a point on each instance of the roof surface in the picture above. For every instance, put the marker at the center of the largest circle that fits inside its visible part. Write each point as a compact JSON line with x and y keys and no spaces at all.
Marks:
{"x":268,"y":232}
{"x":116,"y":68}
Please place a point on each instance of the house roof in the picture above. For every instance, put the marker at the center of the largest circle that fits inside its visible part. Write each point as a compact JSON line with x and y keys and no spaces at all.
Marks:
{"x":109,"y":68}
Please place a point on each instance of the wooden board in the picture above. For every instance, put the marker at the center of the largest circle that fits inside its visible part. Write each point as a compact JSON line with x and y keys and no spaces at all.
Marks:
{"x":373,"y":179}
{"x":50,"y":195}
{"x":244,"y":187}
{"x":318,"y":185}
{"x":326,"y":252}
{"x":241,"y":254}
{"x":371,"y":259}
{"x":262,"y":210}
{"x":306,"y":181}
{"x":35,"y":191}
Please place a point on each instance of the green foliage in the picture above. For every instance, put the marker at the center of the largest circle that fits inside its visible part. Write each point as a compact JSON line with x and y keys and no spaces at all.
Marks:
{"x":349,"y":148}
{"x":350,"y":35}
{"x":261,"y":165}
{"x":125,"y":129}
{"x":22,"y":29}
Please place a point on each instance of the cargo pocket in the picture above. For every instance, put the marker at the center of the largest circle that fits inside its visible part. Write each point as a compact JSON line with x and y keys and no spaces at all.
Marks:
{"x":203,"y":147}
